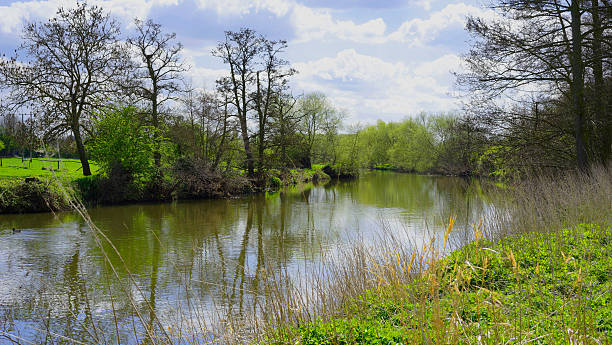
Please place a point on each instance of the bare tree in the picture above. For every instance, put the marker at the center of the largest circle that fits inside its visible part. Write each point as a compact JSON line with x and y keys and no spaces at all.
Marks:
{"x":600,"y":23}
{"x":206,"y":127}
{"x":240,"y":51}
{"x":536,"y":46}
{"x":70,"y":67}
{"x":159,"y":71}
{"x":271,"y":83}
{"x":284,"y":126}
{"x":215,"y":125}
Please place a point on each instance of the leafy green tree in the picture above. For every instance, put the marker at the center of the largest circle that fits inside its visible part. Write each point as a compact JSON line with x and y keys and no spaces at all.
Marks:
{"x":375,"y":143}
{"x":315,"y":109}
{"x":413,"y":147}
{"x":121,"y":142}
{"x":348,"y":158}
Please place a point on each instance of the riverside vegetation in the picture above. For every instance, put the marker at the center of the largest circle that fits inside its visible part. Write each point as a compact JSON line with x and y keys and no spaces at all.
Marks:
{"x":541,"y":273}
{"x":542,"y":288}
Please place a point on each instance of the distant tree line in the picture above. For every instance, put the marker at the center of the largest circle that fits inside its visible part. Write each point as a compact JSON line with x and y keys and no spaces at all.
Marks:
{"x":445,"y":144}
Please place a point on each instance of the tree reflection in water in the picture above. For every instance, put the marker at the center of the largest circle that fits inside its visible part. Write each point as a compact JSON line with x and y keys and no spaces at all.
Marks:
{"x":201,"y":259}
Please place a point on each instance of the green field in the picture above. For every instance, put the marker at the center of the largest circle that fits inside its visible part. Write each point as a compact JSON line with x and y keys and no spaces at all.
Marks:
{"x":70,"y":168}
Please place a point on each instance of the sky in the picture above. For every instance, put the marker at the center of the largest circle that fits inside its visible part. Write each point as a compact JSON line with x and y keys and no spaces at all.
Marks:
{"x":376,"y":59}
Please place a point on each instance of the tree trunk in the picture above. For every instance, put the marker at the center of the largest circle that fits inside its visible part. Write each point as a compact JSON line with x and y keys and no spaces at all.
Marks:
{"x":261,"y":150}
{"x":247,"y":146}
{"x":262,"y":127}
{"x":283,"y":136}
{"x":221,"y":146}
{"x":81,"y":150}
{"x":577,"y":87}
{"x":243,"y":120}
{"x":155,"y":118}
{"x":602,"y":123}
{"x":307,"y":162}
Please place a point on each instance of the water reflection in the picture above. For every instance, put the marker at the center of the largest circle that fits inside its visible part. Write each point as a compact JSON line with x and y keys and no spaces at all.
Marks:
{"x":53,"y":275}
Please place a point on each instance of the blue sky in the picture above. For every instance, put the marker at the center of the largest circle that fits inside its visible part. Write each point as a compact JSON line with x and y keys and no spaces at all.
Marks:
{"x":376,"y":59}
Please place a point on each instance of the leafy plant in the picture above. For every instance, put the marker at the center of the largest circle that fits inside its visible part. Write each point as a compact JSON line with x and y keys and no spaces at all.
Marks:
{"x":121,"y":142}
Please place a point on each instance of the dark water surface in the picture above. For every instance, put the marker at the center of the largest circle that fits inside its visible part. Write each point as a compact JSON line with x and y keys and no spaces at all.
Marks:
{"x":53,"y":276}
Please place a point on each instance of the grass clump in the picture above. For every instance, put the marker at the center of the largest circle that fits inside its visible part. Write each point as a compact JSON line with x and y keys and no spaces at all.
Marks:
{"x":297,"y":176}
{"x":553,"y":288}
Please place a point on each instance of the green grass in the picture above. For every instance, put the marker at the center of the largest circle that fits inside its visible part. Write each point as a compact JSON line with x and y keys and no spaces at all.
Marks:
{"x":70,"y":168}
{"x":537,"y":288}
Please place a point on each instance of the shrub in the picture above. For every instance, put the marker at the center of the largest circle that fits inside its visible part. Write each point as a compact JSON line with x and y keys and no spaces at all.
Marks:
{"x":115,"y":186}
{"x":341,"y":171}
{"x":122,"y":144}
{"x":195,"y":179}
{"x":273,"y":182}
{"x":32,"y":195}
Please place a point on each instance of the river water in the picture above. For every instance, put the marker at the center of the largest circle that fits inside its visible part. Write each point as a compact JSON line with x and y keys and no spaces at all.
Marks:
{"x":54,"y":277}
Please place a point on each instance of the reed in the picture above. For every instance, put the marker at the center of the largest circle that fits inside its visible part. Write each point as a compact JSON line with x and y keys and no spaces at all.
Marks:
{"x":489,"y":289}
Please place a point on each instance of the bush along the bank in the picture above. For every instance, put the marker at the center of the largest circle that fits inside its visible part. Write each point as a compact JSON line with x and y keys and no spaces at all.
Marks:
{"x":117,"y":186}
{"x":188,"y":179}
{"x":292,"y":177}
{"x":32,"y":195}
{"x":537,"y":288}
{"x":195,"y":178}
{"x":341,"y":171}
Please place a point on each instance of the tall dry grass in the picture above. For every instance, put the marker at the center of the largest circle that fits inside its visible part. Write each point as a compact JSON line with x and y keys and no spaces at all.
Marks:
{"x":551,"y":202}
{"x":535,"y":204}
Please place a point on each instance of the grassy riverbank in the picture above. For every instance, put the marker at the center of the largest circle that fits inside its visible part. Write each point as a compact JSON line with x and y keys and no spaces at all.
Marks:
{"x":42,"y":194}
{"x":539,"y":271}
{"x":37,"y":186}
{"x":542,"y":288}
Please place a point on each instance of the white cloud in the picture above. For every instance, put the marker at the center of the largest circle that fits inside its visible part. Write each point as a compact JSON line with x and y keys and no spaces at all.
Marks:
{"x":370,"y":87}
{"x":242,"y":7}
{"x":442,"y":66}
{"x":205,"y":78}
{"x":314,"y":24}
{"x":202,"y":77}
{"x":16,"y":13}
{"x":418,"y":31}
{"x":426,"y":4}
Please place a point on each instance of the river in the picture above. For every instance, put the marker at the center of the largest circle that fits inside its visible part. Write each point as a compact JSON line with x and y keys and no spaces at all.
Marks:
{"x":54,"y":278}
